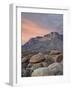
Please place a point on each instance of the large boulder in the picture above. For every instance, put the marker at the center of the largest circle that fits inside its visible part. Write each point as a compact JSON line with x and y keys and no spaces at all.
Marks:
{"x":55,"y":69}
{"x":37,"y":58}
{"x":40,"y":72}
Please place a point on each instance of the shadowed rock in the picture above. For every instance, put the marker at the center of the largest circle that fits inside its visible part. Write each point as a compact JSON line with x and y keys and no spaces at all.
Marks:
{"x":59,"y":58}
{"x":49,"y":59}
{"x":26,"y":72}
{"x":54,"y":52}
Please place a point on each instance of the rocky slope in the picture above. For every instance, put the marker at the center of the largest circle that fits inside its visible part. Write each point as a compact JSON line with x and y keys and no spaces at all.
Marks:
{"x":43,"y":56}
{"x":51,"y":41}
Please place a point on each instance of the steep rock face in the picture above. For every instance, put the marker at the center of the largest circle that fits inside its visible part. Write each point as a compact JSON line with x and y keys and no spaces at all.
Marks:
{"x":52,"y":41}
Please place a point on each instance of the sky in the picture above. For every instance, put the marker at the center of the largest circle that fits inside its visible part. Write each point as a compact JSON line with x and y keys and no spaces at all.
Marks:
{"x":39,"y":24}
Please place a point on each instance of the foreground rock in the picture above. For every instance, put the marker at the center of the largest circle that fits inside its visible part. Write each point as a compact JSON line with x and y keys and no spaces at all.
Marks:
{"x":42,"y":64}
{"x":53,"y":69}
{"x":41,"y":72}
{"x":37,"y":58}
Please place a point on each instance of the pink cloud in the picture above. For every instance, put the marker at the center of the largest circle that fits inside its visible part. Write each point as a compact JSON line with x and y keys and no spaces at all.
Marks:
{"x":31,"y":29}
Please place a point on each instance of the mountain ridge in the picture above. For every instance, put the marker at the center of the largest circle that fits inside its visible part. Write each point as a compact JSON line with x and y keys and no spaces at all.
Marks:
{"x":51,"y":41}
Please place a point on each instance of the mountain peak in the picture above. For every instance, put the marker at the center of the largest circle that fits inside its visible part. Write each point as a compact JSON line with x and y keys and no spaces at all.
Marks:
{"x":52,"y":35}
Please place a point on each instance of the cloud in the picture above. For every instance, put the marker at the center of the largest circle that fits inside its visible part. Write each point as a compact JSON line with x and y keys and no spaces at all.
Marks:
{"x":31,"y":29}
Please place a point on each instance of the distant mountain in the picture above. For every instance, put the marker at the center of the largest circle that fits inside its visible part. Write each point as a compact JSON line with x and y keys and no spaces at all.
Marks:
{"x":51,"y":41}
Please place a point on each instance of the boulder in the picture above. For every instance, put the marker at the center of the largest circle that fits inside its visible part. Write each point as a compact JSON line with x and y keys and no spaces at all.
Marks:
{"x":37,"y":58}
{"x":40,"y":72}
{"x":55,"y":69}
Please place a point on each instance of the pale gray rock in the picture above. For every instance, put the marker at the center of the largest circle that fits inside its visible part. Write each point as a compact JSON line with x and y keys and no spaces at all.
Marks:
{"x":55,"y":69}
{"x":40,"y":72}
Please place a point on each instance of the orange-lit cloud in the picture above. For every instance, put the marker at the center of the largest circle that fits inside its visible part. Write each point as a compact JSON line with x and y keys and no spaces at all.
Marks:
{"x":31,"y":29}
